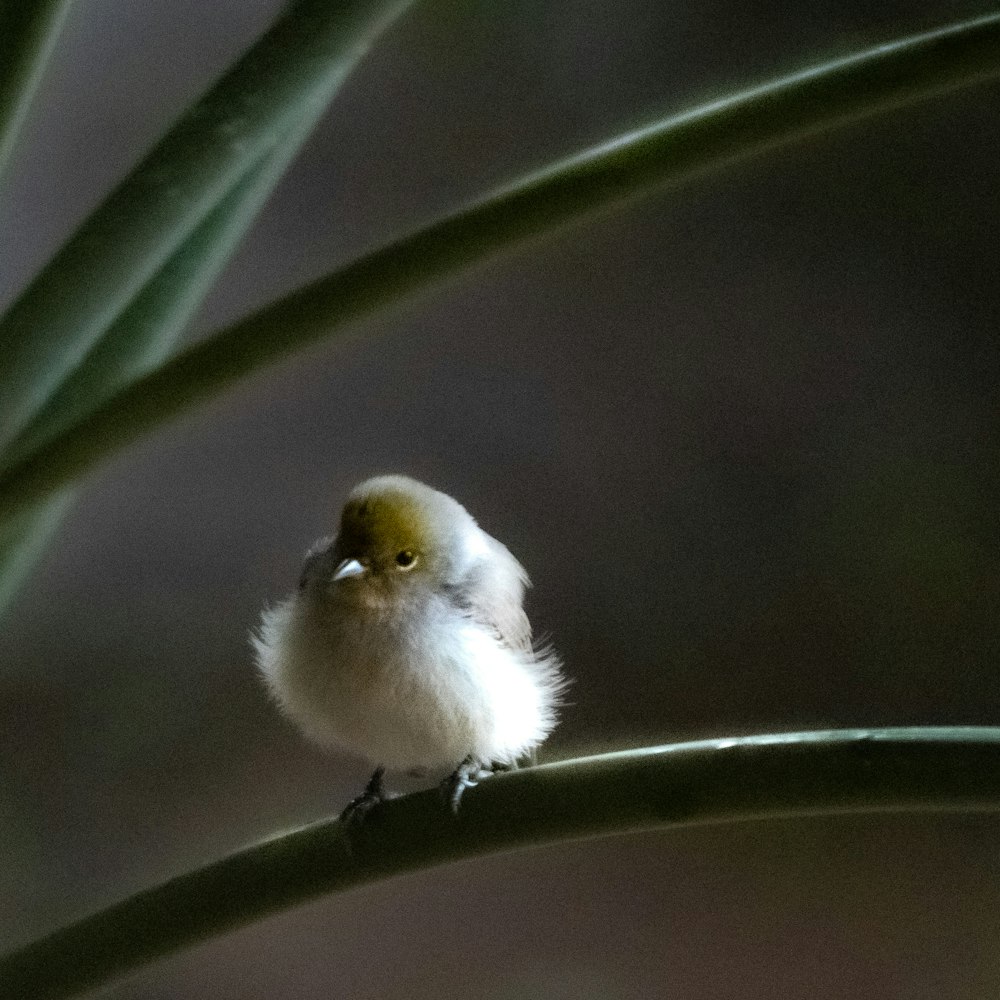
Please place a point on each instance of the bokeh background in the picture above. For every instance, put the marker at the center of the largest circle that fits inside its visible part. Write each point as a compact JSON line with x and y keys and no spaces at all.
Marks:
{"x":744,"y":435}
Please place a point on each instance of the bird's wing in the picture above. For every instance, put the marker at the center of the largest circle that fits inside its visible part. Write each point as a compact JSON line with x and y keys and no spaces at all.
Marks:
{"x":492,"y":592}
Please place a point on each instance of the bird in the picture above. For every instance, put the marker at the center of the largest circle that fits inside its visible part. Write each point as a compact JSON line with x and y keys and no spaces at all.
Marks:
{"x":407,"y":644}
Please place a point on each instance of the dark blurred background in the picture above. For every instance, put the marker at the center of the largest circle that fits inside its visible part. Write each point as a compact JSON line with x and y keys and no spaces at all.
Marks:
{"x":744,"y":436}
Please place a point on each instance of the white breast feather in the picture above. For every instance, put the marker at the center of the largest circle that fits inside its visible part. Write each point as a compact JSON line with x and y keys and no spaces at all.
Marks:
{"x":444,"y":689}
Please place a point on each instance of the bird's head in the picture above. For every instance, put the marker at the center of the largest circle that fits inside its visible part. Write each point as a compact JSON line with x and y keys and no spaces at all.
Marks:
{"x":397,"y":533}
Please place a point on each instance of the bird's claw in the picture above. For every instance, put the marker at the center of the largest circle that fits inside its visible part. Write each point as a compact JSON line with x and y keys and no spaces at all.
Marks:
{"x":468,"y":774}
{"x":357,"y":809}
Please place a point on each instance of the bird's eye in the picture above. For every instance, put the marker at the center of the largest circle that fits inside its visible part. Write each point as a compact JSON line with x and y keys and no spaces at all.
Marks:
{"x":406,"y":559}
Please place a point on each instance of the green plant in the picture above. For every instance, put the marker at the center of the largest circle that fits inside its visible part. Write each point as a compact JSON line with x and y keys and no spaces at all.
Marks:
{"x":87,"y":348}
{"x":712,"y":781}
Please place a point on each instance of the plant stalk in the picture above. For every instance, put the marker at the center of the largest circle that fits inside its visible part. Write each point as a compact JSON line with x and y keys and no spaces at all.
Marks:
{"x":742,"y":779}
{"x":667,"y":153}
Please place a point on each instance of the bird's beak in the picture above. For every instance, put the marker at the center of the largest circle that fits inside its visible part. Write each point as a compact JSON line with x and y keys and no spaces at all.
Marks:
{"x":348,"y":568}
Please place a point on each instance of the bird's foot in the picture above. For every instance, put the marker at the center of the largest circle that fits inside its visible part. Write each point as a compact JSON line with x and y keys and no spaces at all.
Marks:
{"x":374,"y":793}
{"x":468,"y":774}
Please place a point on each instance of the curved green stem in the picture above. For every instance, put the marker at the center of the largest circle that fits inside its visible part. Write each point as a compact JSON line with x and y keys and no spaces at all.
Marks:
{"x":24,"y":539}
{"x":150,"y":323}
{"x":288,"y":76}
{"x":710,"y":781}
{"x":28,"y":31}
{"x":668,"y":152}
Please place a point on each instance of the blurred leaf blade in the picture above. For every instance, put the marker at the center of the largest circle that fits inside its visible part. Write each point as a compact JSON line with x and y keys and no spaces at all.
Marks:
{"x":148,"y":330}
{"x":669,"y":152}
{"x":24,"y":539}
{"x":747,"y":778}
{"x":289,"y":74}
{"x":28,"y":33}
{"x":143,"y":335}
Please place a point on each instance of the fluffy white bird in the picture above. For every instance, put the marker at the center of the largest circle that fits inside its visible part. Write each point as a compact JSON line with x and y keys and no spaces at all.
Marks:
{"x":407,"y":643}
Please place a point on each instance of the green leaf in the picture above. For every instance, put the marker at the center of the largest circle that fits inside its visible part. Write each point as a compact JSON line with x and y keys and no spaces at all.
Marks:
{"x":747,"y":778}
{"x":24,"y":539}
{"x":149,"y":328}
{"x":669,"y":152}
{"x":28,"y":31}
{"x":144,"y":334}
{"x":142,"y":337}
{"x":290,"y":73}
